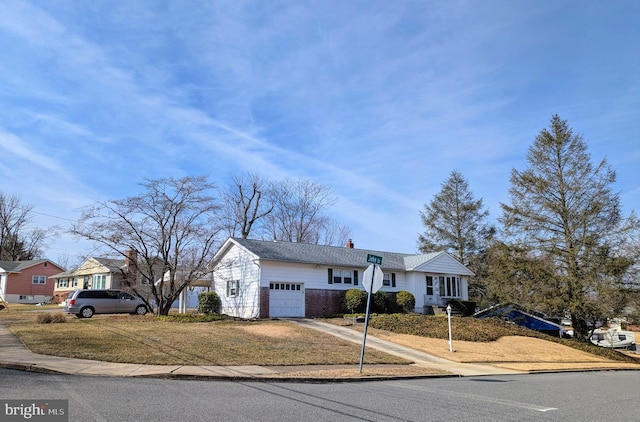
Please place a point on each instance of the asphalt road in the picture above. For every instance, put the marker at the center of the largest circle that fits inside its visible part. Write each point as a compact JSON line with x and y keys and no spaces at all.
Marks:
{"x":584,"y":396}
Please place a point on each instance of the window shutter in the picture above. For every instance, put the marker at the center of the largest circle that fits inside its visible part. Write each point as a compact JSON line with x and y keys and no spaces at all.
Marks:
{"x":393,"y":279}
{"x":355,"y":277}
{"x":330,"y":275}
{"x":228,"y":285}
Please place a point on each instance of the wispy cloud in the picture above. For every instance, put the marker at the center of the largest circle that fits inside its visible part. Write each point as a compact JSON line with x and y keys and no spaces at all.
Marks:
{"x":378,"y":100}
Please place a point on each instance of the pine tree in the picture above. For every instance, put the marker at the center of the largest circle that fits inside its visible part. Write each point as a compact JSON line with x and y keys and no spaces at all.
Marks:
{"x":563,"y":209}
{"x":454,"y":220}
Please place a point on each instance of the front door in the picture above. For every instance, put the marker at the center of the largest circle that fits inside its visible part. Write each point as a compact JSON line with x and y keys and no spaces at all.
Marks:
{"x":429,"y":297}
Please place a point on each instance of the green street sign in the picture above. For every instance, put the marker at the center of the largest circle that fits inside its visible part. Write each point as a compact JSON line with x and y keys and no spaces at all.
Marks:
{"x":374,"y":259}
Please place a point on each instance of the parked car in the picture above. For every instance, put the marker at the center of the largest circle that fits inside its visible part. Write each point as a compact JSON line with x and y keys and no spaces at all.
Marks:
{"x":85,"y":303}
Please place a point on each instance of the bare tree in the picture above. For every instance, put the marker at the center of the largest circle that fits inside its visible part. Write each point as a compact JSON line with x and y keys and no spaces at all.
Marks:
{"x":16,"y":240}
{"x":298,"y":212}
{"x":171,"y":227}
{"x":245,"y":203}
{"x":334,"y":233}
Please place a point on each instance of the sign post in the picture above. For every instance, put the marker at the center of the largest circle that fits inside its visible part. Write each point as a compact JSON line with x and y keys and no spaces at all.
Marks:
{"x":449,"y":319}
{"x":372,"y":281}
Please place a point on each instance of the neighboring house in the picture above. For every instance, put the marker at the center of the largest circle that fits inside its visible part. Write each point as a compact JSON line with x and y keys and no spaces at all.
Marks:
{"x":263,"y":279}
{"x":93,"y":273}
{"x":109,"y":273}
{"x":27,"y":281}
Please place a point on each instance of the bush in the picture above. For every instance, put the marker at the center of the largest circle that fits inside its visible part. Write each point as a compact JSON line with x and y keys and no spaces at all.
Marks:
{"x":354,"y":300}
{"x":50,"y":318}
{"x":406,"y":301}
{"x":208,"y":303}
{"x":379,"y":302}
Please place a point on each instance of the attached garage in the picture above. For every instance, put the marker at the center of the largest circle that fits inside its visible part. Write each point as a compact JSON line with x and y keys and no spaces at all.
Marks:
{"x":286,"y":300}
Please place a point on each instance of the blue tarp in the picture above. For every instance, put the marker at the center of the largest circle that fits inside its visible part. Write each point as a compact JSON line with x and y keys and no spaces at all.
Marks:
{"x":518,"y":316}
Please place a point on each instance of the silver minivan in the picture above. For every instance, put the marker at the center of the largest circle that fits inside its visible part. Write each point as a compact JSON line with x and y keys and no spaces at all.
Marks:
{"x":84,"y":303}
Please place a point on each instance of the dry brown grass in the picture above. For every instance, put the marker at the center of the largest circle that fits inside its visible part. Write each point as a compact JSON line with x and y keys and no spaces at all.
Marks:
{"x":511,"y":351}
{"x":148,"y":340}
{"x":134,"y":339}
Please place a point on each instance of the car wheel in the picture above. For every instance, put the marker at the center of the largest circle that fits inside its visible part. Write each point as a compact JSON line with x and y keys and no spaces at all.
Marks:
{"x":86,"y":312}
{"x":141,"y":310}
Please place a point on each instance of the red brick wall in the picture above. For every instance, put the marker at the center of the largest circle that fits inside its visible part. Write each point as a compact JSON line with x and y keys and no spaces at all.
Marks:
{"x":321,"y":302}
{"x":21,"y":284}
{"x":264,"y":302}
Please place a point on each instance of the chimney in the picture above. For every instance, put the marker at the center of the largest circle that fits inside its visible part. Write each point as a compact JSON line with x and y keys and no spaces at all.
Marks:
{"x":130,"y":264}
{"x":130,"y":258}
{"x":349,"y":244}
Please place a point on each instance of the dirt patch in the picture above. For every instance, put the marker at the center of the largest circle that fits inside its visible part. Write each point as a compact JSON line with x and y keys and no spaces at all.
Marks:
{"x":272,"y":330}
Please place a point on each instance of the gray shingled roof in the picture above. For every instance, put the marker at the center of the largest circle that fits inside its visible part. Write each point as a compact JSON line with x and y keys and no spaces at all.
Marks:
{"x":329,"y":255}
{"x":17,"y":266}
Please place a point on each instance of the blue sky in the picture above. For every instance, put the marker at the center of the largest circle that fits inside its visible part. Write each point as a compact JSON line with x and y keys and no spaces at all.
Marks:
{"x":378,"y":100}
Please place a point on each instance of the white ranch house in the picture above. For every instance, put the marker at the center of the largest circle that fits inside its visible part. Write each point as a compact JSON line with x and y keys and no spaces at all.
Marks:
{"x":268,"y":279}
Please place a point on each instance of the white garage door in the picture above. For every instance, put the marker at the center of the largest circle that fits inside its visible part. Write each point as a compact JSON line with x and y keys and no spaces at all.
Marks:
{"x":286,"y":300}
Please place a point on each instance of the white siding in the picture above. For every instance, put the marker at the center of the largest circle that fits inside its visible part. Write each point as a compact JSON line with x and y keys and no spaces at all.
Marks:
{"x":312,"y":277}
{"x":316,"y":278}
{"x":242,"y":266}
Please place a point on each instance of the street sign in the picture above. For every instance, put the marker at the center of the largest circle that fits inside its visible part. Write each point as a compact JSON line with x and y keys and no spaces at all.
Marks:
{"x":374,"y":259}
{"x":372,"y":280}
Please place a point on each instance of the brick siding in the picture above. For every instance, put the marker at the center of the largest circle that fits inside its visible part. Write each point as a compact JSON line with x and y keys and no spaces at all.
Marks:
{"x":322,"y":302}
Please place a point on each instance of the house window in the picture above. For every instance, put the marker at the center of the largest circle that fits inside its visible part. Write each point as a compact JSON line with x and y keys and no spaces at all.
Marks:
{"x":337,"y":276}
{"x":343,"y":276}
{"x":389,"y":279}
{"x":75,"y":282}
{"x":429,"y":285}
{"x":99,"y":281}
{"x":347,"y":276}
{"x":233,"y":286}
{"x":450,"y":286}
{"x":38,"y":279}
{"x":63,"y":283}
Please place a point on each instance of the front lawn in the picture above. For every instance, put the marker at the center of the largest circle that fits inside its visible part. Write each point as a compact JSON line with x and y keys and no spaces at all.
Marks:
{"x":151,"y":340}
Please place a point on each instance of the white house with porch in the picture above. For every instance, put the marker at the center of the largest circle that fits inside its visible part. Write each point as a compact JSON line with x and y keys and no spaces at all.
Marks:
{"x":267,"y":279}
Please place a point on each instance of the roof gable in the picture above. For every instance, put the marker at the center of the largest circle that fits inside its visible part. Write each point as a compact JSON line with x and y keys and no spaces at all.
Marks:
{"x":442,"y":263}
{"x":99,"y":265}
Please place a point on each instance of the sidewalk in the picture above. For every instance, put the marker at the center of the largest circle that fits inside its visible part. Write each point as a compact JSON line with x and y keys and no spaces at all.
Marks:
{"x":15,"y":355}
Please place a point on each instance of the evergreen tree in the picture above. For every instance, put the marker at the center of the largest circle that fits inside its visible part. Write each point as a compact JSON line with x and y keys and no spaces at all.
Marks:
{"x":563,"y":210}
{"x":455,"y":221}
